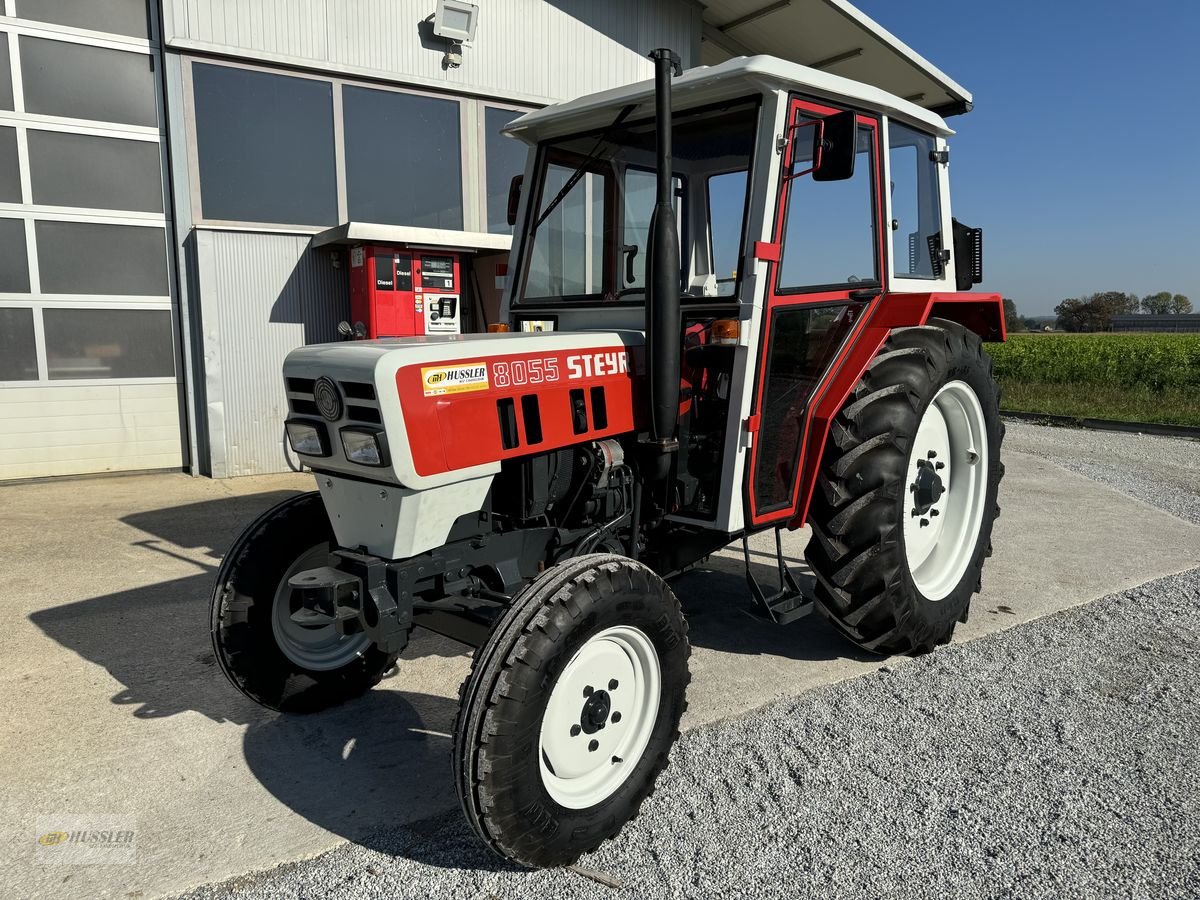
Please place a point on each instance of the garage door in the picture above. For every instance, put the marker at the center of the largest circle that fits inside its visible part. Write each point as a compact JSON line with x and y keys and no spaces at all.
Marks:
{"x":88,"y":357}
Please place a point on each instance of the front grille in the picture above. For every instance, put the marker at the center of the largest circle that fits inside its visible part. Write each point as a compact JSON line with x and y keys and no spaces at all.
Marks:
{"x":361,"y":403}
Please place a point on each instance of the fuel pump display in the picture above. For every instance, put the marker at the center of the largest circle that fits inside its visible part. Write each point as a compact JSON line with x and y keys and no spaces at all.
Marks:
{"x":402,"y":292}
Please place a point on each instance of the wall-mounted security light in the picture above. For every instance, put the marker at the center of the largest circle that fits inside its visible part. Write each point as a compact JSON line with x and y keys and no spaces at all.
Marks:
{"x":455,"y":20}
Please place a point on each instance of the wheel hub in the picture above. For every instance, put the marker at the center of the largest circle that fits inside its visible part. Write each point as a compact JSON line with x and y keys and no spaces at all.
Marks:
{"x":595,"y":712}
{"x":927,"y":489}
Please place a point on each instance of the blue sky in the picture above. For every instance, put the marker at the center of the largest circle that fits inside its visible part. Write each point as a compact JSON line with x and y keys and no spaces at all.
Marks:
{"x":1081,"y":160}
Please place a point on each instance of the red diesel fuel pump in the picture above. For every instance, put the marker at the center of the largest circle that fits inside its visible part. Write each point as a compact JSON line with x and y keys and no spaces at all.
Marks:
{"x":404,"y":292}
{"x":736,"y":302}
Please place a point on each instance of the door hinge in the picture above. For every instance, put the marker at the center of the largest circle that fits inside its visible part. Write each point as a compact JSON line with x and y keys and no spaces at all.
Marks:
{"x":752,"y":423}
{"x":939,"y":156}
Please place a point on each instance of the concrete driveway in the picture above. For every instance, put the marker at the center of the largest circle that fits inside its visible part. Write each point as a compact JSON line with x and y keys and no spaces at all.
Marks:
{"x":114,"y":706}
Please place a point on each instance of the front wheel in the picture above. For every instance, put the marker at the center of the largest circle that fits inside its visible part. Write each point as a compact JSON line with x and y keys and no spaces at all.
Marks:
{"x":570,"y":709}
{"x":902,"y":517}
{"x":265,"y":653}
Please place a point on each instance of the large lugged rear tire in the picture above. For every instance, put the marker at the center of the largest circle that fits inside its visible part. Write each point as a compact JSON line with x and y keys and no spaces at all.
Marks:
{"x":906,"y":497}
{"x":268,"y":658}
{"x":570,"y":709}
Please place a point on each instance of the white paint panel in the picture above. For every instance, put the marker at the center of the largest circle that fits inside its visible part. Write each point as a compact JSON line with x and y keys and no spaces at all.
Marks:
{"x":76,"y":430}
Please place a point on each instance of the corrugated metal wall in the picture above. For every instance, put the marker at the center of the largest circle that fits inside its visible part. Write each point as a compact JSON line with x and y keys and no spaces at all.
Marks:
{"x":264,"y":295}
{"x":254,"y":296}
{"x":524,"y":49}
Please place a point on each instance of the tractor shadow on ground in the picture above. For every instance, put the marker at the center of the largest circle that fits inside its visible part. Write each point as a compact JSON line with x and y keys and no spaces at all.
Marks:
{"x":722,"y":616}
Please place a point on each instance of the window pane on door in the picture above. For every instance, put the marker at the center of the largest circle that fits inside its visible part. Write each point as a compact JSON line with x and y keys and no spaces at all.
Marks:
{"x":109,"y":343}
{"x":62,"y":79}
{"x":829,"y":238}
{"x":114,"y":16}
{"x":18,"y":353}
{"x":265,"y":147}
{"x":802,"y":342}
{"x":14,"y":261}
{"x":87,"y":258}
{"x":96,"y":172}
{"x":10,"y":174}
{"x":505,"y":159}
{"x":403,"y":159}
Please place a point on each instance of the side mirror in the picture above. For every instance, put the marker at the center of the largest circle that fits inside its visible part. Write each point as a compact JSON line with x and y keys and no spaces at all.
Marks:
{"x":514,"y":198}
{"x":833,"y":151}
{"x":839,"y":147}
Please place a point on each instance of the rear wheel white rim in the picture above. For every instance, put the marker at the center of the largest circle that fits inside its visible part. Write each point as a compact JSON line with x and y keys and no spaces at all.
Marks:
{"x":948,"y":465}
{"x":599,"y":717}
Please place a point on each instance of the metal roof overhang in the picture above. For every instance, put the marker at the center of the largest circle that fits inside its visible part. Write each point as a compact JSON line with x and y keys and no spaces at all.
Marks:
{"x":831,"y":36}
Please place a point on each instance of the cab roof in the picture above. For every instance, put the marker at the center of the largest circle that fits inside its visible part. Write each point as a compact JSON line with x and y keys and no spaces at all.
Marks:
{"x":703,"y":85}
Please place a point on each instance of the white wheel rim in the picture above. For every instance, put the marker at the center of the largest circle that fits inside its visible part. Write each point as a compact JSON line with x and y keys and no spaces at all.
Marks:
{"x":949,"y":452}
{"x":616,"y":672}
{"x":316,"y":648}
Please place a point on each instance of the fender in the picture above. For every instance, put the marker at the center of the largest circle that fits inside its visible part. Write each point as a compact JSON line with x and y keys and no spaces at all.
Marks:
{"x":981,"y":313}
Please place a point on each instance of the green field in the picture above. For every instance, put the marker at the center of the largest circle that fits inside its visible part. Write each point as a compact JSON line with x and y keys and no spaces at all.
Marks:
{"x":1130,"y":377}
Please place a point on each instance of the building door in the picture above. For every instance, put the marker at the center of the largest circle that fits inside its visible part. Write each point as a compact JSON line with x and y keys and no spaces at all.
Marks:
{"x":88,"y":367}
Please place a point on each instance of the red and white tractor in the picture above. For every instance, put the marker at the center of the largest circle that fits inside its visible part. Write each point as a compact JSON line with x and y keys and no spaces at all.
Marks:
{"x":737,"y":301}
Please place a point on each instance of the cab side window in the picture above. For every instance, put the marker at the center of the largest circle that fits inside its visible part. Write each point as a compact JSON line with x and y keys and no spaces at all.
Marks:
{"x":916,"y":224}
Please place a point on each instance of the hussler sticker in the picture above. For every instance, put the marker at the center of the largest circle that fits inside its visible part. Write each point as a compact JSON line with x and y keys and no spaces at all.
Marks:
{"x":456,"y":379}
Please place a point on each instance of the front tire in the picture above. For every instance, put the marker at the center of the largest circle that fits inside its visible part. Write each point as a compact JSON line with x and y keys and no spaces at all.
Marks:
{"x":906,"y":497}
{"x":266,"y":656}
{"x":570,"y":709}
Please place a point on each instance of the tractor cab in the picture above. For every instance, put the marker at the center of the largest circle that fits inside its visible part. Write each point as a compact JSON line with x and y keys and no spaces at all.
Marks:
{"x":799,"y":199}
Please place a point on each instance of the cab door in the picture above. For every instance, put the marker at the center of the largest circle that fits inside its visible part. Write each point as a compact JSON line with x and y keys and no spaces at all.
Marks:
{"x":825,"y":266}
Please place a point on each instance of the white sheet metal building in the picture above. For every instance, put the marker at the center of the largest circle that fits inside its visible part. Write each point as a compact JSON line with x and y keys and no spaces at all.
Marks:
{"x":165,"y":164}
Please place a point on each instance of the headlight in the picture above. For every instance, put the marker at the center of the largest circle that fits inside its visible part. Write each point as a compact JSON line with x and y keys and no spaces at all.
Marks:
{"x":367,"y":448}
{"x":307,"y":438}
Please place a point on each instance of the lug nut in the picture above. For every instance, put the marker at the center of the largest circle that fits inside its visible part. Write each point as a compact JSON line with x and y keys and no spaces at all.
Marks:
{"x":616,"y":717}
{"x":575,"y":729}
{"x":934,"y":512}
{"x":940,"y":465}
{"x":593,"y":746}
{"x":612,"y":684}
{"x":932,"y":455}
{"x":587,"y":691}
{"x":924,"y":522}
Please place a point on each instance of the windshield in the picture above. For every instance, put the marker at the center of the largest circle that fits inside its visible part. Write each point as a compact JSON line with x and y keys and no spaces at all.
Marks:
{"x":595,"y":193}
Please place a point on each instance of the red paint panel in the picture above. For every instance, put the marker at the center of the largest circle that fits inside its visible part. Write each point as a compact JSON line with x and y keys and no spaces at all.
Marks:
{"x":460,"y":429}
{"x":893,"y":311}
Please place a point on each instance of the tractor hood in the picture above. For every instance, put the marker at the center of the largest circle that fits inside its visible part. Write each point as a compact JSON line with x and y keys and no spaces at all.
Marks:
{"x":449,"y":409}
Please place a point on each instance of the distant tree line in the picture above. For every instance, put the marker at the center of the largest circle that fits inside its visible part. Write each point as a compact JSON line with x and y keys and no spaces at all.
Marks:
{"x":1095,"y":312}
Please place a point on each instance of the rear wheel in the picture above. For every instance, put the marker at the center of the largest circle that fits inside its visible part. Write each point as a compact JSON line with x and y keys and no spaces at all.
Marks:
{"x":270,"y":658}
{"x":902,"y":517}
{"x":571,"y":709}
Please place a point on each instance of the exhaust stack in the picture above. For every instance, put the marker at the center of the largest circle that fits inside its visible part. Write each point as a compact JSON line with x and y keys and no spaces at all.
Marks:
{"x":662,"y":279}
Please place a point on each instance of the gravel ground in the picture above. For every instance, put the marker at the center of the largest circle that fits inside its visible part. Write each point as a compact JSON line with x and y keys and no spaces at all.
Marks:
{"x":1161,"y":471}
{"x":1061,"y":757}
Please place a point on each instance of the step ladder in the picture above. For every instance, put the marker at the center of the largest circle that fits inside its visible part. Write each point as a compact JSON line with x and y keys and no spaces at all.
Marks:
{"x":787,"y":603}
